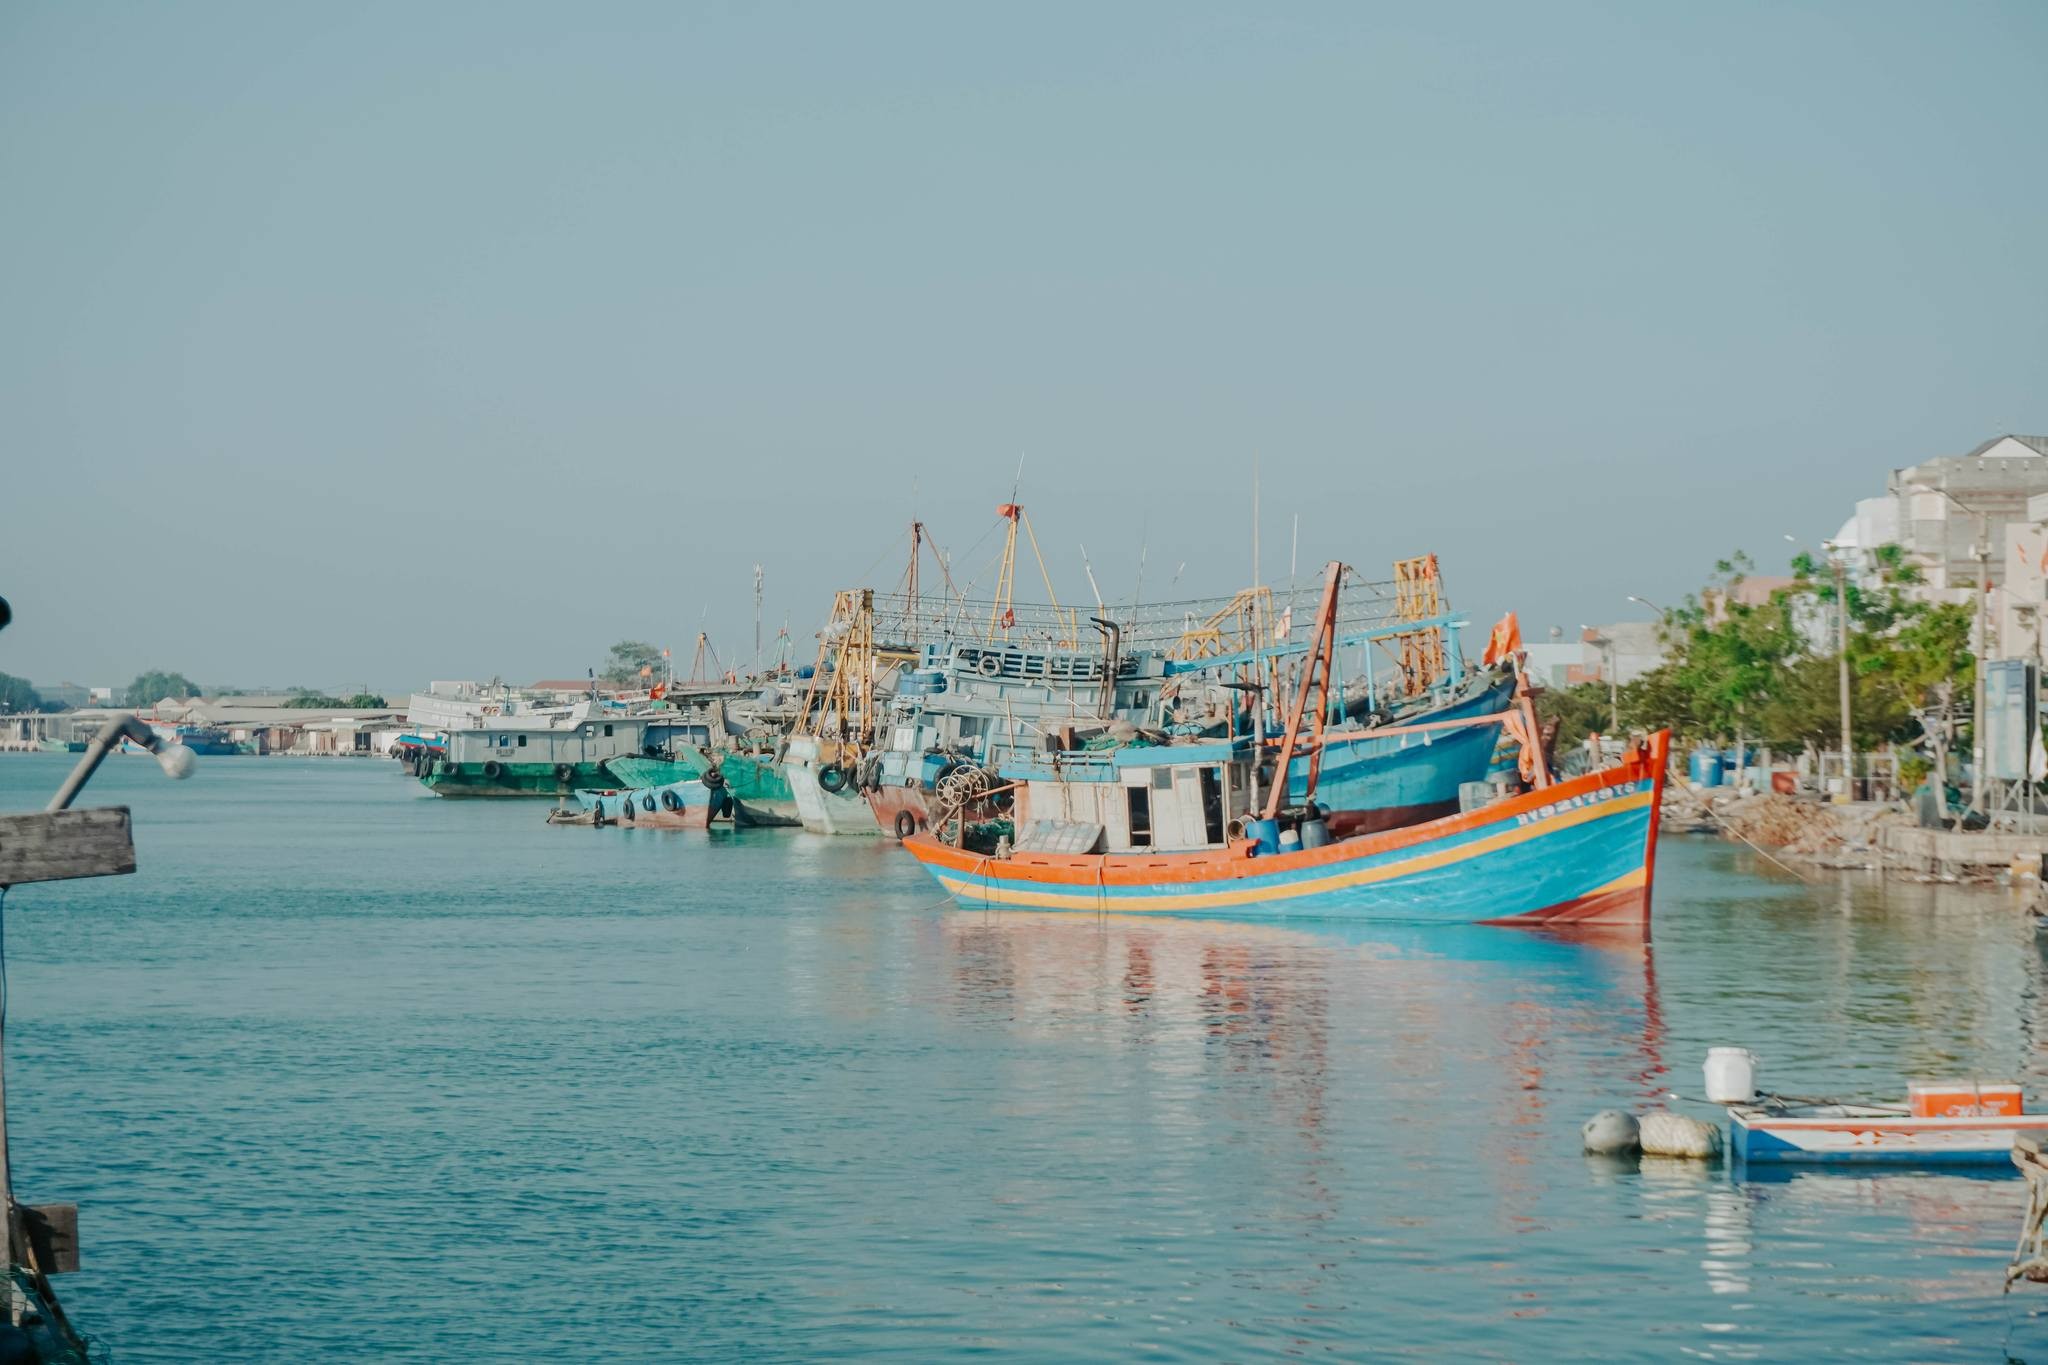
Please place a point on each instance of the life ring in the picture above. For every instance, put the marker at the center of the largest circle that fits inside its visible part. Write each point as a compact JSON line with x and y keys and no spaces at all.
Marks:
{"x":647,"y":801}
{"x":670,"y":801}
{"x":494,"y":770}
{"x":713,"y":778}
{"x":990,"y":666}
{"x":564,"y":771}
{"x":832,"y":778}
{"x":906,"y":824}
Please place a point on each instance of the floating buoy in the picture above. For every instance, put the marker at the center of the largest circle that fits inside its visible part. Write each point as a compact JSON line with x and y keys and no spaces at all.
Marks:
{"x":1611,"y":1131}
{"x":1665,"y":1134}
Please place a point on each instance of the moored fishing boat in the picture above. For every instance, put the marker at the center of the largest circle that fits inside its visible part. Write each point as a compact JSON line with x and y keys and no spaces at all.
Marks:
{"x":678,"y":805}
{"x":1576,"y":852}
{"x":1372,"y":781}
{"x":835,"y":727}
{"x":548,"y":754}
{"x":756,"y":781}
{"x":1181,"y":829}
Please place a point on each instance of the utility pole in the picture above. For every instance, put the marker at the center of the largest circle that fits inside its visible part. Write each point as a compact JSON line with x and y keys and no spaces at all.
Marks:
{"x":1613,"y":687}
{"x":757,"y":616}
{"x":1977,"y":787}
{"x":1842,"y":669}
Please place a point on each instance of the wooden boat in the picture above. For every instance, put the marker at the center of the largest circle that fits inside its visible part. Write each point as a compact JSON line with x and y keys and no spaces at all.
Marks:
{"x":1173,"y":829}
{"x":755,"y":781}
{"x":677,"y":805}
{"x":1372,"y":780}
{"x":1857,"y":1134}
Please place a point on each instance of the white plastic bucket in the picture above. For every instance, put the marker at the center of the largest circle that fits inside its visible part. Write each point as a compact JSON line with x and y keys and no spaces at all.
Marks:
{"x":1731,"y":1075}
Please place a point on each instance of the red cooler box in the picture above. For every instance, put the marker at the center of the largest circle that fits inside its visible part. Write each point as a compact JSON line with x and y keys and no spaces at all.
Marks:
{"x":1963,"y":1099}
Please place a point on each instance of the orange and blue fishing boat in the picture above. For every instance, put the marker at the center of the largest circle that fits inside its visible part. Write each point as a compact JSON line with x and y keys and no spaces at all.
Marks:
{"x":1198,"y":829}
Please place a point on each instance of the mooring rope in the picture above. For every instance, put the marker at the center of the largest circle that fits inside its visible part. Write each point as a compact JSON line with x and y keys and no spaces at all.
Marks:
{"x":1672,"y":772}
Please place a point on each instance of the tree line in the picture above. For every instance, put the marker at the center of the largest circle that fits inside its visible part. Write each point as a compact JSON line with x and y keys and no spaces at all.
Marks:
{"x":1768,"y":672}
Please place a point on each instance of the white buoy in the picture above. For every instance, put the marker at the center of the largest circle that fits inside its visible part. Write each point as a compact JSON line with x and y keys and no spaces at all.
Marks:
{"x":1665,"y":1134}
{"x":1610,"y":1131}
{"x":1731,"y":1075}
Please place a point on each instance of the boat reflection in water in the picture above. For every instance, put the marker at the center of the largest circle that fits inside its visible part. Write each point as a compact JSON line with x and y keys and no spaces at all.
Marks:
{"x":1336,"y":1072}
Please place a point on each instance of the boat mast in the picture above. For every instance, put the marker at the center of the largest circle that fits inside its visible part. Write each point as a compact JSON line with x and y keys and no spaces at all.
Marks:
{"x":1315,"y":668}
{"x":916,"y":540}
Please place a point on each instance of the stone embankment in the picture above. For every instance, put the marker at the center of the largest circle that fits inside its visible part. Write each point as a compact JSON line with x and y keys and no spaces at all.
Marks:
{"x":1869,"y":835}
{"x":1790,"y":827}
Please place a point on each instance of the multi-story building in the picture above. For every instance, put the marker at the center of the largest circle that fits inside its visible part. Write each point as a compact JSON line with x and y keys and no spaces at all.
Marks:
{"x":1950,"y":514}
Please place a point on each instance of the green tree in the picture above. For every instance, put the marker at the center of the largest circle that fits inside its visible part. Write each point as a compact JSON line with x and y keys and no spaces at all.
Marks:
{"x":16,"y":694}
{"x":364,"y":701}
{"x":627,"y":658}
{"x":1753,"y":669}
{"x":1579,"y":710}
{"x":304,"y":699}
{"x":156,"y":685}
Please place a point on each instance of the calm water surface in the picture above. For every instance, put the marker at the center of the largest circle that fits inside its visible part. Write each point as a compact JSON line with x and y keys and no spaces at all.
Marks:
{"x":349,"y":1069}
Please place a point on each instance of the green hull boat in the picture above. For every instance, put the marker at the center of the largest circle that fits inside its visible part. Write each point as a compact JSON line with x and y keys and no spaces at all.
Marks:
{"x":513,"y":779}
{"x":755,"y":781}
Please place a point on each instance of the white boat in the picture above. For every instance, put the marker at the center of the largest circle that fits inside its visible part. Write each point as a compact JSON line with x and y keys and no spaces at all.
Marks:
{"x":1823,"y":1134}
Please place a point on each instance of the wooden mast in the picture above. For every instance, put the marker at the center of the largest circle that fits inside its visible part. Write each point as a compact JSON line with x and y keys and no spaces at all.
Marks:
{"x":1316,"y":667}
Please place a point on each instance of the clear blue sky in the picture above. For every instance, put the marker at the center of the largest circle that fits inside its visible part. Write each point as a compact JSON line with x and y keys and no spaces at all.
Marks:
{"x":411,"y":341}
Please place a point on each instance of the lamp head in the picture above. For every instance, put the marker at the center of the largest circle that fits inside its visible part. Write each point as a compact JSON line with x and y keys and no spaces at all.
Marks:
{"x":176,"y":760}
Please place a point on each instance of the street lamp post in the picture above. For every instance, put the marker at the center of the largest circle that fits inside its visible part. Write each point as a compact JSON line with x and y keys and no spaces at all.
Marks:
{"x":1838,"y":562}
{"x":1981,"y":646}
{"x":1840,"y":566}
{"x":1605,"y":644}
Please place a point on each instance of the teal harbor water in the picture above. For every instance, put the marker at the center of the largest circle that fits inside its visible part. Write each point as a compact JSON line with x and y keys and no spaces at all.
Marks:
{"x":348,"y":1070}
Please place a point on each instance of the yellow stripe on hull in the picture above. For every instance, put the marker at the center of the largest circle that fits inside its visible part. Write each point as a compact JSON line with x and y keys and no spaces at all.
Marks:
{"x":1095,"y":898}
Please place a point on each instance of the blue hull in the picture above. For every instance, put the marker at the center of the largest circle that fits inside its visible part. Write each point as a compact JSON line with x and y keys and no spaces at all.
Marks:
{"x":1417,"y":776}
{"x":1578,"y":853}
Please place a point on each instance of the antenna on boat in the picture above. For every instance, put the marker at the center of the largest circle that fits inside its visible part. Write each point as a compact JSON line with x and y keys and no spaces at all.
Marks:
{"x":1089,"y":569}
{"x":757,"y":616}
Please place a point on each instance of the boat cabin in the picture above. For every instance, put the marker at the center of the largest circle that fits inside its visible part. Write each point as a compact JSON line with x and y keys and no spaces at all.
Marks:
{"x":989,"y":703}
{"x":1171,"y":798}
{"x":589,"y":735}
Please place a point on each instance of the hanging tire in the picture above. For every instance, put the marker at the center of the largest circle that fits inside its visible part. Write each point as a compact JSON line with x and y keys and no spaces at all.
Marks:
{"x":671,"y":802}
{"x":494,"y":770}
{"x":713,"y":778}
{"x":906,"y":824}
{"x":565,"y":772}
{"x":626,"y":809}
{"x":449,"y":769}
{"x":647,"y":802}
{"x":832,"y":778}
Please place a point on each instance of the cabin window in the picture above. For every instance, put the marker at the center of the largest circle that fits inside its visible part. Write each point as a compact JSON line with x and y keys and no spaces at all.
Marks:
{"x":607,"y":729}
{"x":522,"y":741}
{"x":1140,"y":800}
{"x":1212,"y":805}
{"x":1162,"y":779}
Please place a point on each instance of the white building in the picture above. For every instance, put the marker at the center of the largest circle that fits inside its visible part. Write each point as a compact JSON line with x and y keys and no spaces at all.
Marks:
{"x":1950,"y":514}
